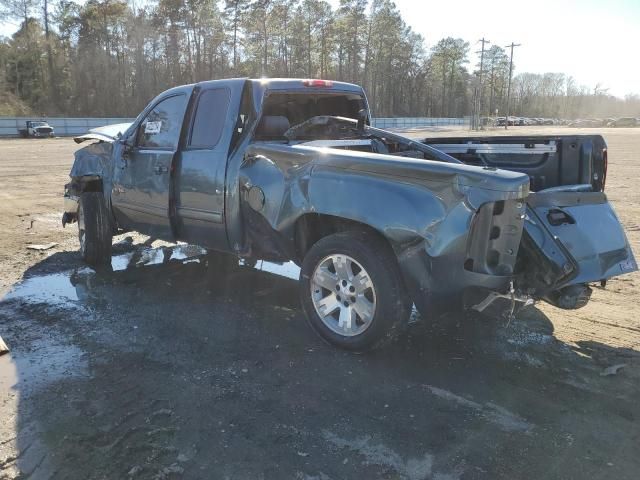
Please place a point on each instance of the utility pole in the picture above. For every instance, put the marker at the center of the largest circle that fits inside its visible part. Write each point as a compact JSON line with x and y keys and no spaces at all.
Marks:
{"x":478,"y":99}
{"x":506,"y":120}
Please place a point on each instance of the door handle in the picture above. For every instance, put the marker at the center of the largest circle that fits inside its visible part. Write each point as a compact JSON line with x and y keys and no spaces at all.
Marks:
{"x":160,"y":169}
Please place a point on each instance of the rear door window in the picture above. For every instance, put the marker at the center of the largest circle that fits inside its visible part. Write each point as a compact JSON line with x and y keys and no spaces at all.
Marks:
{"x":210,"y":118}
{"x":161,"y":127}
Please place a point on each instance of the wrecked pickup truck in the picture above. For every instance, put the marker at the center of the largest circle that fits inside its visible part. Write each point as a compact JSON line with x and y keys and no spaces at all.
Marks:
{"x":283,"y":169}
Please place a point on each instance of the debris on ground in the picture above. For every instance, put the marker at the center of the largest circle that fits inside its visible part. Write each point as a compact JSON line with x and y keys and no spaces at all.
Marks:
{"x":45,"y":246}
{"x":135,"y":471}
{"x":3,"y":347}
{"x":612,"y":370}
{"x":172,"y":470}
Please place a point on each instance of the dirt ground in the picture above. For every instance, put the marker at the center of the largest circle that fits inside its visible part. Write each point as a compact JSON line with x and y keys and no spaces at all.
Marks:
{"x":168,"y":369}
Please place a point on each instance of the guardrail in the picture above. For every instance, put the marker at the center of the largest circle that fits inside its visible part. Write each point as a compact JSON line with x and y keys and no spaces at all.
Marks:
{"x":417,"y":122}
{"x":63,"y":127}
{"x":67,"y":127}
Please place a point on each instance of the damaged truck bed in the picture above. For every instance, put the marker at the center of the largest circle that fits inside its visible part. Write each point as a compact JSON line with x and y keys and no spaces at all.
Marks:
{"x":291,"y":170}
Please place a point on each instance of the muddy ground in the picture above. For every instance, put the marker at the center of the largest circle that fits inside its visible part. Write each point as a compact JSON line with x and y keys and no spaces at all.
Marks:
{"x":164,"y":368}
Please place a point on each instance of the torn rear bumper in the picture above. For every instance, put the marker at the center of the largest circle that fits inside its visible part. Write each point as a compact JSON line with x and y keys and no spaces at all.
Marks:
{"x":438,"y":285}
{"x":480,"y":260}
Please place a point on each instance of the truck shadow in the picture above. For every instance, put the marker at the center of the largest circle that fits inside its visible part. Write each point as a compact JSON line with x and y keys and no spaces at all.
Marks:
{"x":166,"y":364}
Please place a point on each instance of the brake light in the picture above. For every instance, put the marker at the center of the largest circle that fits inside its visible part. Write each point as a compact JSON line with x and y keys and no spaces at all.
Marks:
{"x":317,"y":83}
{"x":605,"y":164}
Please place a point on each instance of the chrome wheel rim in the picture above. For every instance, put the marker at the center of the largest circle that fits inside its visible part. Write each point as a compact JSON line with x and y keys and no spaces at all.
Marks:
{"x":81,"y":229}
{"x":343,"y":295}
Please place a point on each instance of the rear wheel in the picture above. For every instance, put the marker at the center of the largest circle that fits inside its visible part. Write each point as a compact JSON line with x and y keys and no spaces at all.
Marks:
{"x":352,"y":291}
{"x":94,"y":229}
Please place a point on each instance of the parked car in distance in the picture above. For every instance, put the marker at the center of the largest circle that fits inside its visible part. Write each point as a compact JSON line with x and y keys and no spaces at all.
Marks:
{"x":625,"y":122}
{"x":513,"y":121}
{"x":36,"y":129}
{"x":586,"y":123}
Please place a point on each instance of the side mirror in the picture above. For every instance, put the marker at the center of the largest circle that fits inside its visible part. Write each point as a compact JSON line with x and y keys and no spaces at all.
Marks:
{"x":127,"y":142}
{"x":127,"y":146}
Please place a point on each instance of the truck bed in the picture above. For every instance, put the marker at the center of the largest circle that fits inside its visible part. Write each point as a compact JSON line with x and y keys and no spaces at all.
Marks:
{"x":550,"y":161}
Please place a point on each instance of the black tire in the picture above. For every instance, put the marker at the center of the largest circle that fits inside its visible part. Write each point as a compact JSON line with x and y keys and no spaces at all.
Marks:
{"x":94,"y":229}
{"x":392,"y":304}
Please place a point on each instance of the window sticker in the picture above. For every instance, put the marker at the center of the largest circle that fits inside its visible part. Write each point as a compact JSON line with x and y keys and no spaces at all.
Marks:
{"x":151,"y":128}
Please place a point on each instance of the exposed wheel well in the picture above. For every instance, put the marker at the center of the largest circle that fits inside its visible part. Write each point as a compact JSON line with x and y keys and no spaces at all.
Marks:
{"x":313,"y":226}
{"x":91,"y":184}
{"x":79,"y":185}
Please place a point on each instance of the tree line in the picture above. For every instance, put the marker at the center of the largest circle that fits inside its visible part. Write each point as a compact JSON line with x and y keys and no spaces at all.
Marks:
{"x":110,"y":57}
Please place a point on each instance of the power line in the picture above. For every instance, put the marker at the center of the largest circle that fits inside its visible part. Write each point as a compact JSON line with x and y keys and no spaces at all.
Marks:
{"x":512,"y":46}
{"x":480,"y":88}
{"x":477,"y":101}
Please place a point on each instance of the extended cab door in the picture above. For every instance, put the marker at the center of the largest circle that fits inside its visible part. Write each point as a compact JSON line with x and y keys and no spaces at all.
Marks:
{"x":215,"y":122}
{"x":142,"y":181}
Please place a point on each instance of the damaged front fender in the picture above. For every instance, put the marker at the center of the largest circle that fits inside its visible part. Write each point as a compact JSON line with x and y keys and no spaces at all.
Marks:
{"x":92,"y":171}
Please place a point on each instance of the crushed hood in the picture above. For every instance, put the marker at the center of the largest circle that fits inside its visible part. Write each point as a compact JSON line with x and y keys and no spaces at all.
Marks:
{"x":108,"y":133}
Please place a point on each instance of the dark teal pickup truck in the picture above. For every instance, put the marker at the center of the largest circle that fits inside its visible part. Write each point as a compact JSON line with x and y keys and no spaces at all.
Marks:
{"x":285,"y":169}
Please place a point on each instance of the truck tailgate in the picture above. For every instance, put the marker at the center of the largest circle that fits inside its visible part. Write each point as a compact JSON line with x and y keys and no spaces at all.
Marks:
{"x":580,"y":229}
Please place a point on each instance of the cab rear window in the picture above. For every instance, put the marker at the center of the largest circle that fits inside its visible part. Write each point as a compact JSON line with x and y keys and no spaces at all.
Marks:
{"x":300,"y":107}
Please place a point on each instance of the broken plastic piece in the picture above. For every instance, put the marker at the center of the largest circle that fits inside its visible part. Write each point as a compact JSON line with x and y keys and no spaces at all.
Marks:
{"x":3,"y":347}
{"x":45,"y":246}
{"x":612,"y":370}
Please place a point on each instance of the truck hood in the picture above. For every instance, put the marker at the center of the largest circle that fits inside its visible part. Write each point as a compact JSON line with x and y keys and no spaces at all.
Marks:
{"x":108,"y":133}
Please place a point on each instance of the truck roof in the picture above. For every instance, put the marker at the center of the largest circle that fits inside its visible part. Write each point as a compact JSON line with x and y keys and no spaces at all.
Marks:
{"x":301,"y":83}
{"x":262,"y":84}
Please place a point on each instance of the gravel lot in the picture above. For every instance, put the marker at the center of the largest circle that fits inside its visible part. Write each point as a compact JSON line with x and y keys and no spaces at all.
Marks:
{"x":166,"y":370}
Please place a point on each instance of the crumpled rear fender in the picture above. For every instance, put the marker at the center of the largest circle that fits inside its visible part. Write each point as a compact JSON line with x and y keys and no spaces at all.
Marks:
{"x":426,"y":221}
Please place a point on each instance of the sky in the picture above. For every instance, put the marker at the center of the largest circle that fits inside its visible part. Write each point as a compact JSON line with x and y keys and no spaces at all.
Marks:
{"x":594,"y":41}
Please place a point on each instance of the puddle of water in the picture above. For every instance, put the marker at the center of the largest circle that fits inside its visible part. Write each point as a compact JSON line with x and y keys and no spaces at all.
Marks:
{"x":183,"y":252}
{"x":289,"y":269}
{"x":55,"y":289}
{"x":45,"y":362}
{"x":121,"y":262}
{"x":8,"y":373}
{"x":156,"y":256}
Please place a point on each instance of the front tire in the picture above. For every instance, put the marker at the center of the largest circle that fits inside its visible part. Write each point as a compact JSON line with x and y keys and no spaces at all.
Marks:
{"x":352,"y":291}
{"x":94,"y":229}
